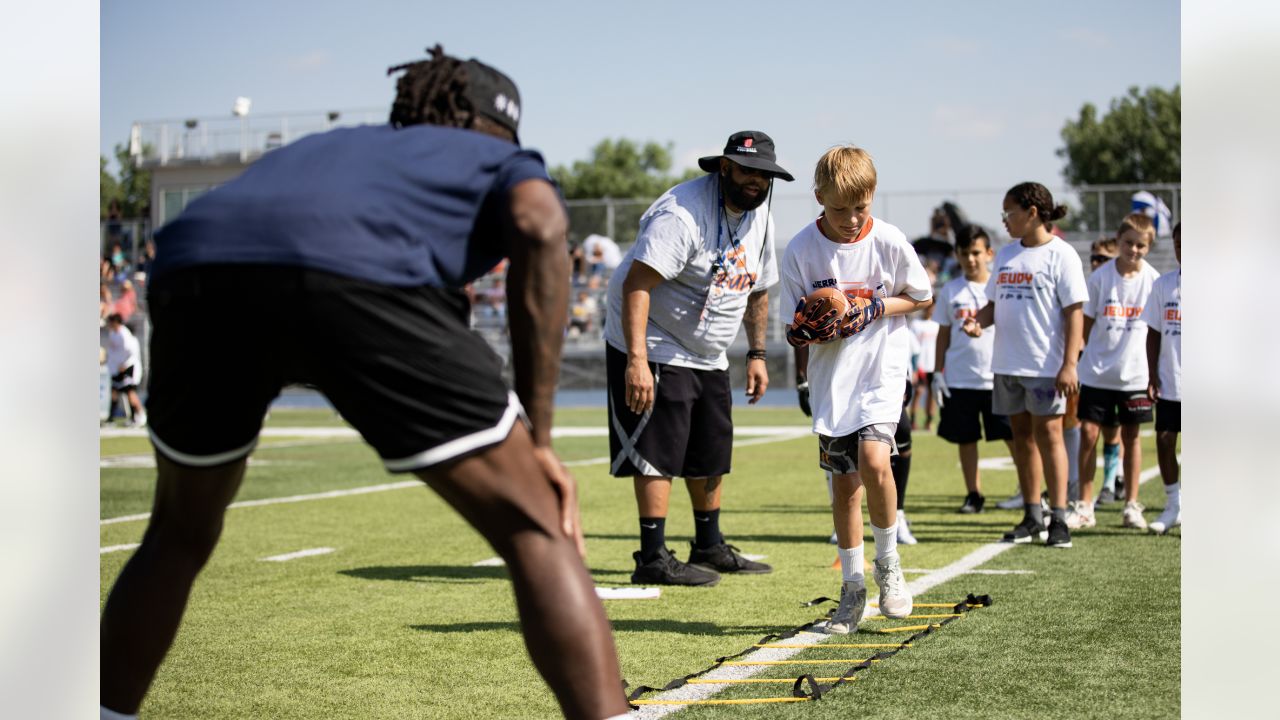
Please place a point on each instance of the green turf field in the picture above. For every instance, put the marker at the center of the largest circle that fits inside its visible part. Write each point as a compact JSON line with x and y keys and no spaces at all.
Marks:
{"x":397,"y":623}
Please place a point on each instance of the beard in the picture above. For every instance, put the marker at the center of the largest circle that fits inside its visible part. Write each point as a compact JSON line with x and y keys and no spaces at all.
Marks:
{"x":736,"y":195}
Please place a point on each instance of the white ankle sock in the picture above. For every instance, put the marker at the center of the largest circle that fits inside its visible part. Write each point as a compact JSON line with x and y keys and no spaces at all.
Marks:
{"x":106,"y":714}
{"x":1173,"y":495}
{"x":851,"y":565}
{"x":886,"y":540}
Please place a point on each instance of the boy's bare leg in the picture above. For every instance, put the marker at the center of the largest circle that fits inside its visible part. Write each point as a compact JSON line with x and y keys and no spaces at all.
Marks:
{"x":504,"y":494}
{"x":652,"y":495}
{"x":1131,"y":448}
{"x":1053,"y":451}
{"x":969,"y":467}
{"x":145,"y":607}
{"x":1088,"y":463}
{"x":846,"y":509}
{"x":704,"y":493}
{"x":1167,"y":455}
{"x":877,"y":477}
{"x":1026,"y":457}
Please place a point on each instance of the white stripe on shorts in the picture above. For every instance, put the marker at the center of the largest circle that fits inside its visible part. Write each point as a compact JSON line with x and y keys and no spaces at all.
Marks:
{"x":202,"y":460}
{"x":462,"y":445}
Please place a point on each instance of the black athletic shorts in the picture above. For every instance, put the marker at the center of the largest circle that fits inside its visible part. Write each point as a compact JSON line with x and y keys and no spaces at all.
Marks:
{"x":687,"y":433}
{"x":1113,"y":407}
{"x":1168,"y":416}
{"x":902,"y":436}
{"x":399,"y":364}
{"x":967,"y":413}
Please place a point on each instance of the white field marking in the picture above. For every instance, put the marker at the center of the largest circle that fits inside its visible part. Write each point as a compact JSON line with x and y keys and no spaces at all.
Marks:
{"x":755,"y":557}
{"x":995,"y":463}
{"x":117,"y":548}
{"x":148,"y":460}
{"x":490,"y":562}
{"x":702,"y":692}
{"x":299,"y":554}
{"x":558,"y":432}
{"x":921,"y":571}
{"x":790,"y":435}
{"x":628,"y":593}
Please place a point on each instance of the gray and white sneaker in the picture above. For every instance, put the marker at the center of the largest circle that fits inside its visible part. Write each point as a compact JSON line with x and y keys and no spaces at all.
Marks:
{"x":895,"y":600}
{"x":1080,"y":515}
{"x":1168,"y":520}
{"x":904,"y":530}
{"x":1132,"y":516}
{"x":1013,"y":502}
{"x":853,"y":602}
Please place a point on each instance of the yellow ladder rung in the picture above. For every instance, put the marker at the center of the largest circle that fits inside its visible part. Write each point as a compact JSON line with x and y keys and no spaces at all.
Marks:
{"x":909,"y":628}
{"x":916,"y":617}
{"x":831,"y":645}
{"x":703,"y":681}
{"x":720,"y":702}
{"x":796,"y":662}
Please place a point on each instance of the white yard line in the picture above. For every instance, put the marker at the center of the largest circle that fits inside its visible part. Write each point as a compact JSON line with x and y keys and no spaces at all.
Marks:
{"x":783,"y":433}
{"x":299,"y":554}
{"x":116,"y":548}
{"x":490,"y":562}
{"x":558,"y":432}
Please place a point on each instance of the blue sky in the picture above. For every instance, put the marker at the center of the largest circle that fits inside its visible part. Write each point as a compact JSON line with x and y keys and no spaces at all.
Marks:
{"x":944,"y":95}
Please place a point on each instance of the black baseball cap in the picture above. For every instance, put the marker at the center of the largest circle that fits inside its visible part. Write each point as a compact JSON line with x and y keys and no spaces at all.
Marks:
{"x":748,"y":148}
{"x":493,"y":95}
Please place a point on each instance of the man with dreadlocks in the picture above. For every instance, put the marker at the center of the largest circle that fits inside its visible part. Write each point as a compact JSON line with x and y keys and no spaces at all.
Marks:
{"x":341,"y":256}
{"x":701,"y":267}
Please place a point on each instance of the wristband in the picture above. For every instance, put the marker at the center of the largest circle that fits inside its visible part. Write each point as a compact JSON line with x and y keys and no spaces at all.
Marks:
{"x":757,"y":355}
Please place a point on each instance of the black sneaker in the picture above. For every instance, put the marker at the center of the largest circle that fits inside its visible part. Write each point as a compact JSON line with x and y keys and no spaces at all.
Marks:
{"x":667,"y":570}
{"x":1025,"y":532}
{"x":725,"y":558}
{"x":1059,"y":535}
{"x":973,"y":503}
{"x":1106,"y":497}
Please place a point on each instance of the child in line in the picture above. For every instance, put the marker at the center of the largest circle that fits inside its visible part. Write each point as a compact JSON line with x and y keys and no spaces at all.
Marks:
{"x":856,"y":367}
{"x":962,"y":381}
{"x":926,"y":332}
{"x":1113,"y":370}
{"x":1163,"y":316}
{"x":1101,"y":252}
{"x":1035,"y":297}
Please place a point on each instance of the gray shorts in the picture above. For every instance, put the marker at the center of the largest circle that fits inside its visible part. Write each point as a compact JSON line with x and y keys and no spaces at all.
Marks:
{"x":1014,"y":394}
{"x":839,"y":455}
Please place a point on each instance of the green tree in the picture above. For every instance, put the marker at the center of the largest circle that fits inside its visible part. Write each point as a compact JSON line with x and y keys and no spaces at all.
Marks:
{"x":134,"y":191}
{"x":620,"y":169}
{"x":1139,"y":140}
{"x":108,"y":187}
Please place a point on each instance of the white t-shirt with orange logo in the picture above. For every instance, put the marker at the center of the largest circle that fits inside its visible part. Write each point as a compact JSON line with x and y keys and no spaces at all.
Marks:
{"x":1030,"y":287}
{"x":967,"y":365}
{"x":1163,"y":313}
{"x":857,"y":381}
{"x":1115,"y":353}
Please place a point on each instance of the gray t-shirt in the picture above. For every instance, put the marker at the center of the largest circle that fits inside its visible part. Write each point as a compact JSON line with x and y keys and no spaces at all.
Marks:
{"x":694,"y":314}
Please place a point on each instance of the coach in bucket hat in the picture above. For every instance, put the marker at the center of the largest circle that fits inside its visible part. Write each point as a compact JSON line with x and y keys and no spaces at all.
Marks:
{"x":748,"y":148}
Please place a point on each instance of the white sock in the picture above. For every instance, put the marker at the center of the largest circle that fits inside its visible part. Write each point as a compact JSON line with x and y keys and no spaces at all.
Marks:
{"x":106,"y":714}
{"x":851,"y":565}
{"x":1173,"y":495}
{"x":886,"y":540}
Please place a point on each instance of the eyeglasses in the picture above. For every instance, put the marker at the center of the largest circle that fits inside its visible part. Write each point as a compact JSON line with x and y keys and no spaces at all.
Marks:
{"x":1004,"y":215}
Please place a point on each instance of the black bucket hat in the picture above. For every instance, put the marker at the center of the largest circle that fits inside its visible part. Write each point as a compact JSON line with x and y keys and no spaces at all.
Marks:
{"x":748,"y":148}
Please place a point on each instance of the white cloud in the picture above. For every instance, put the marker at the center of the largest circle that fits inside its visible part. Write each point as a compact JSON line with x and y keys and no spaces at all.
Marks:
{"x":1086,"y":37}
{"x":966,"y":122}
{"x":309,"y":60}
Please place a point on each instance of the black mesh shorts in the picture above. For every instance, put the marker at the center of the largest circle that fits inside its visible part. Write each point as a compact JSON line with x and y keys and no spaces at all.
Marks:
{"x":399,"y":364}
{"x":1114,"y":407}
{"x":1168,"y":416}
{"x":967,"y":413}
{"x":687,"y":433}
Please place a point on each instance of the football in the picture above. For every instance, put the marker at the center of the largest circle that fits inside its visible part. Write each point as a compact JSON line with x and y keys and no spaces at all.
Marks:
{"x":819,"y":302}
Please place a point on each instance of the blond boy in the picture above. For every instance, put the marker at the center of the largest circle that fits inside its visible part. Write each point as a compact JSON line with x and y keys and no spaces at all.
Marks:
{"x":857,"y":363}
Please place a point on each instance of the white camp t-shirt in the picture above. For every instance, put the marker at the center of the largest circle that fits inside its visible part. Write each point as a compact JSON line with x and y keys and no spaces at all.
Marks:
{"x":968,"y":360}
{"x":1030,"y":287}
{"x":1115,"y":353}
{"x":856,"y":381}
{"x":926,"y":332}
{"x":1163,"y":313}
{"x":695,"y":313}
{"x":124,"y":349}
